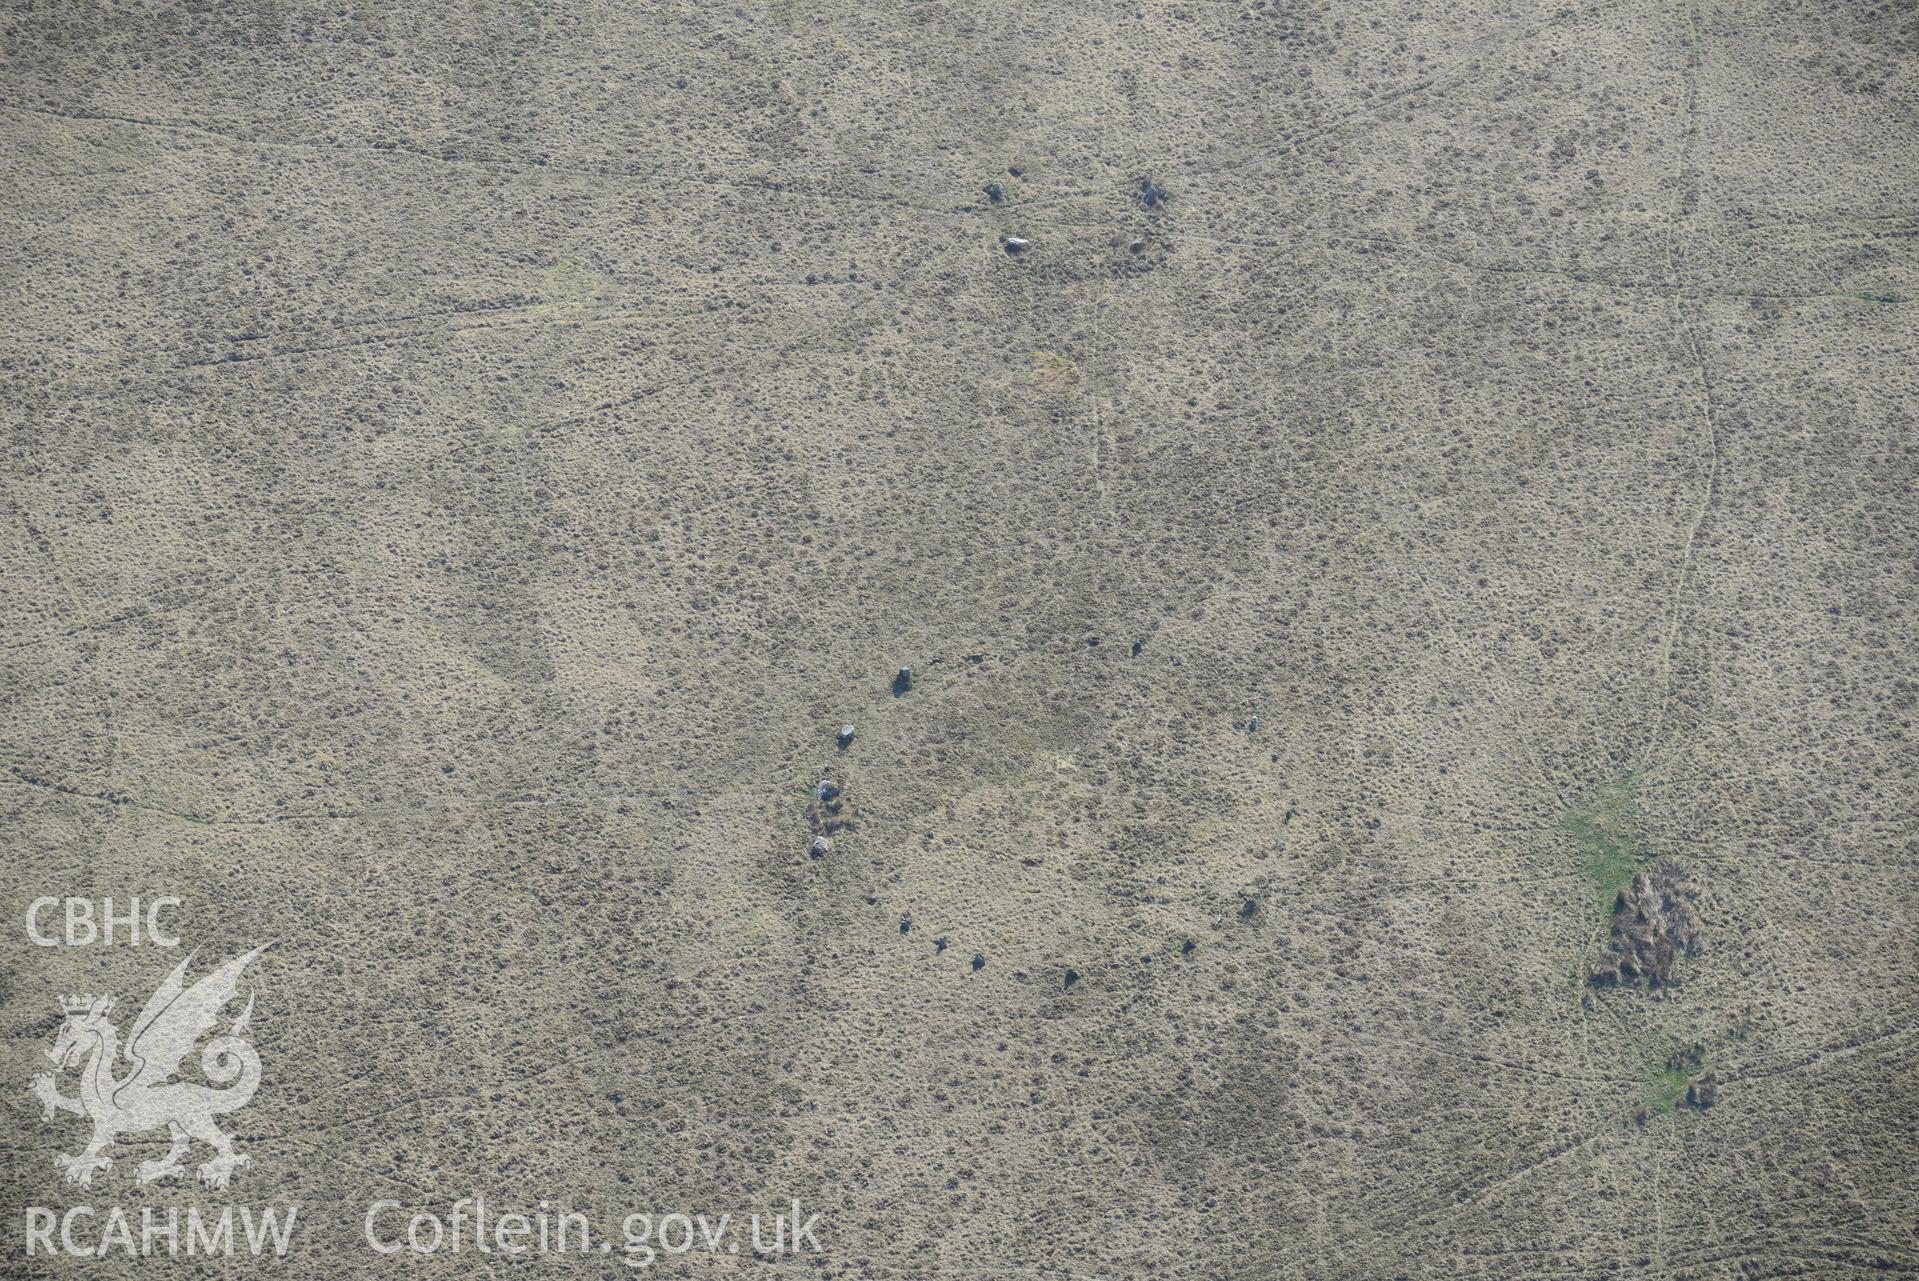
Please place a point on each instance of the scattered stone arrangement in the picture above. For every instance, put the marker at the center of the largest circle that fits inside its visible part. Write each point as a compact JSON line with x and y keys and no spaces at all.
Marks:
{"x":1702,"y":1088}
{"x":1652,"y":927}
{"x":827,"y":815}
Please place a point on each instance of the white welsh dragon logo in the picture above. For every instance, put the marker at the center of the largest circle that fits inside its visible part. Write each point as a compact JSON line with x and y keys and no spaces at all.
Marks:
{"x":147,"y":1097}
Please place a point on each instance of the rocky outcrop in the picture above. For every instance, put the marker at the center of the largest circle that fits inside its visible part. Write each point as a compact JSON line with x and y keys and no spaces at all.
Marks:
{"x":1653,"y":926}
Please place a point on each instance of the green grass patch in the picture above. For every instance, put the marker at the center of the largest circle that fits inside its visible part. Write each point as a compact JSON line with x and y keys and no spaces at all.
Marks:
{"x":1604,"y":829}
{"x":1666,"y":1087}
{"x":1668,"y":1076}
